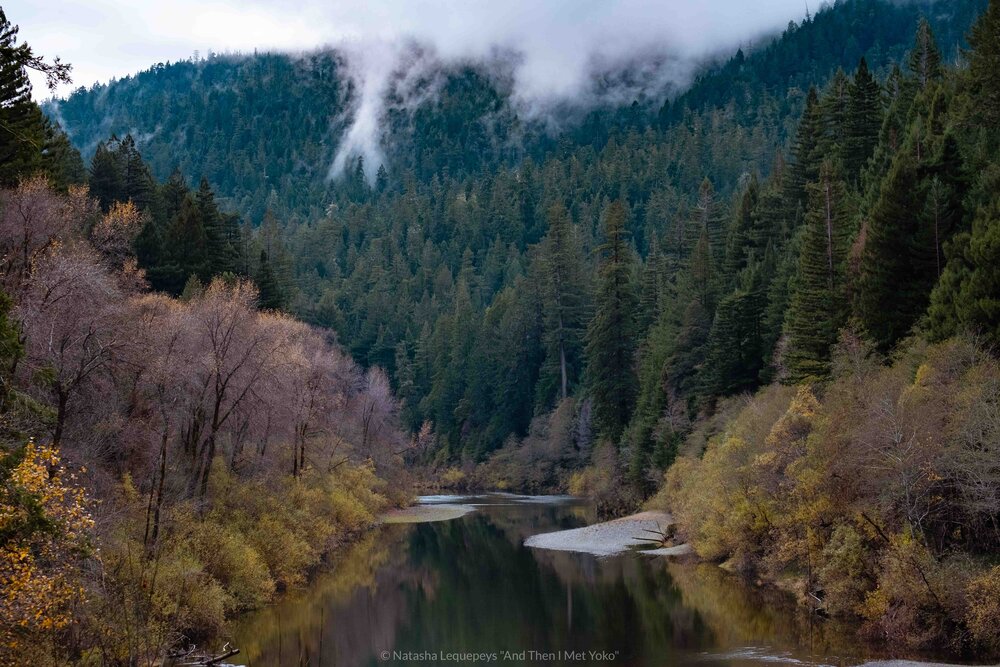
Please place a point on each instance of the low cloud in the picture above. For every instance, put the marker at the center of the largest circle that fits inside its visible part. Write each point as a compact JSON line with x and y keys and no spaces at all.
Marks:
{"x":562,"y":48}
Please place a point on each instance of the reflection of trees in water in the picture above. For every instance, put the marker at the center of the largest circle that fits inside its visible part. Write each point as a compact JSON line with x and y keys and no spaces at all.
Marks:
{"x":470,"y":585}
{"x":738,"y":614}
{"x":342,"y":617}
{"x":495,"y":594}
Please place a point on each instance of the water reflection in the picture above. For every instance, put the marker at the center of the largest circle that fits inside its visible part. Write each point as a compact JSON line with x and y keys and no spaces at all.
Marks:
{"x":426,"y":591}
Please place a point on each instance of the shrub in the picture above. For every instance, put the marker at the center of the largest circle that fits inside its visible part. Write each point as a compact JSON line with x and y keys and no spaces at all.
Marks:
{"x":982,"y":613}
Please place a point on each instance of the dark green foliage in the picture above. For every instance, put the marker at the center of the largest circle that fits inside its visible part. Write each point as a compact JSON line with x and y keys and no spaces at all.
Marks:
{"x":818,"y":307}
{"x":611,"y":343}
{"x":564,"y":304}
{"x":453,"y":266}
{"x":967,"y":297}
{"x":864,"y":120}
{"x":29,"y":142}
{"x":925,"y":58}
{"x":984,"y":64}
{"x":917,"y":209}
{"x":270,"y":293}
{"x":804,"y":167}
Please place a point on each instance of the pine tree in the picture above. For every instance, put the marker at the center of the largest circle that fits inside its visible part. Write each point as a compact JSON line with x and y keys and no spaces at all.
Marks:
{"x":221,"y":234}
{"x":185,"y":247}
{"x":22,"y":135}
{"x":611,"y":346}
{"x":743,"y":232}
{"x":967,"y":298}
{"x":652,"y":286}
{"x":709,"y":219}
{"x":818,"y":303}
{"x":563,"y":304}
{"x":106,"y":179}
{"x":137,"y":183}
{"x":925,"y":58}
{"x":171,"y":196}
{"x":734,"y":359}
{"x":864,"y":121}
{"x":804,"y":167}
{"x":984,"y":65}
{"x":270,"y":293}
{"x":835,"y":114}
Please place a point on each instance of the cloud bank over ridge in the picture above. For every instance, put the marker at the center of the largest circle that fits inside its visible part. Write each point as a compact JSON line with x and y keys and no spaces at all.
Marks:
{"x":559,"y":46}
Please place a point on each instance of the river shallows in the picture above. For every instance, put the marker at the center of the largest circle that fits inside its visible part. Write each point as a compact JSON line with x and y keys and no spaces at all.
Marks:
{"x":467,"y":591}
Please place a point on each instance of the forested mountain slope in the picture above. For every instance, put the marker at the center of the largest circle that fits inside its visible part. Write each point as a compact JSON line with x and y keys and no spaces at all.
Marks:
{"x":438,"y":271}
{"x":268,"y":123}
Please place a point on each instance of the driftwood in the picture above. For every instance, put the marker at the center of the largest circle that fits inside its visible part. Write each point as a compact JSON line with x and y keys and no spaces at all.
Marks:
{"x":192,"y":658}
{"x":664,"y":537}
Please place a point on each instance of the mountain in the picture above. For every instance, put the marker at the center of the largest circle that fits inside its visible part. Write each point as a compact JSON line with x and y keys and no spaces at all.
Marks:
{"x":433,"y":271}
{"x":268,"y":123}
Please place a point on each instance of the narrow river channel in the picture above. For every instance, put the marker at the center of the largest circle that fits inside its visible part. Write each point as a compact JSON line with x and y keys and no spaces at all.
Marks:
{"x":466,"y":591}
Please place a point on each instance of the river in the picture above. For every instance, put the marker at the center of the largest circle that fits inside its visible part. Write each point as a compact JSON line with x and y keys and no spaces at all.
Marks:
{"x":466,"y":591}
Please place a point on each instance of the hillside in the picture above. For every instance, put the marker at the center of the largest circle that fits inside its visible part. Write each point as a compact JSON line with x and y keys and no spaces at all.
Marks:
{"x":264,"y":128}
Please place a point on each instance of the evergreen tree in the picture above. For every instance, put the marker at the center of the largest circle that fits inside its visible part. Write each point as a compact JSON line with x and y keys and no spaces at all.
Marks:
{"x":611,"y":346}
{"x":137,"y":183}
{"x":864,"y":120}
{"x":563,"y":304}
{"x":185,"y":246}
{"x":221,"y":233}
{"x":967,"y":298}
{"x":652,"y":288}
{"x":709,"y":219}
{"x":888,"y":301}
{"x":835,"y":114}
{"x":818,"y":303}
{"x":733,"y":360}
{"x":270,"y":292}
{"x":743,"y":231}
{"x":925,"y":58}
{"x":984,"y":65}
{"x":107,"y":184}
{"x":25,"y":134}
{"x":804,"y":167}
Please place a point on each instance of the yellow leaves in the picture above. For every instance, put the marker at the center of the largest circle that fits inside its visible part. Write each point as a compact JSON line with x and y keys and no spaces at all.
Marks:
{"x":983,"y":611}
{"x":47,"y":524}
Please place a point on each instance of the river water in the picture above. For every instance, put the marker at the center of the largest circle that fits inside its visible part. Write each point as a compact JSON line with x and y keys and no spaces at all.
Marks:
{"x":466,"y":591}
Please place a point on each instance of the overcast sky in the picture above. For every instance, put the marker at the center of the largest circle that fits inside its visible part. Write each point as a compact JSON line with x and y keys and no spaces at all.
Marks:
{"x":111,"y":38}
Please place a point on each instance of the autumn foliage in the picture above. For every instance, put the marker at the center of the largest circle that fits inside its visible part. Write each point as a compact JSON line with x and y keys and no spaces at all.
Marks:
{"x":45,"y":530}
{"x":875,"y":496}
{"x":227,"y":449}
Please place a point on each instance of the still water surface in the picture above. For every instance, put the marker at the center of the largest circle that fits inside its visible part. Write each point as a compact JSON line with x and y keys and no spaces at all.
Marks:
{"x":447,"y":592}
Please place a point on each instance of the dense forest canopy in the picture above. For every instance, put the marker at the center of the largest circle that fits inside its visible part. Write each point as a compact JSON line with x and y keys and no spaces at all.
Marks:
{"x":448,"y":244}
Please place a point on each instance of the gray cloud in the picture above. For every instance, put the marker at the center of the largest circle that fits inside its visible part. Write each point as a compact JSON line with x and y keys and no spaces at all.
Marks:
{"x":561,"y":43}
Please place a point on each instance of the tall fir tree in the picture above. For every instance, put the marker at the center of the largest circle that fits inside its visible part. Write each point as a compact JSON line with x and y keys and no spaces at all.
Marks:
{"x":743,"y":235}
{"x":967,"y":297}
{"x":269,"y":291}
{"x":804,"y":167}
{"x":864,"y":121}
{"x":611,"y":345}
{"x":984,"y":67}
{"x":564,"y":305}
{"x":107,"y":183}
{"x":925,"y":57}
{"x":818,"y":307}
{"x":27,"y":139}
